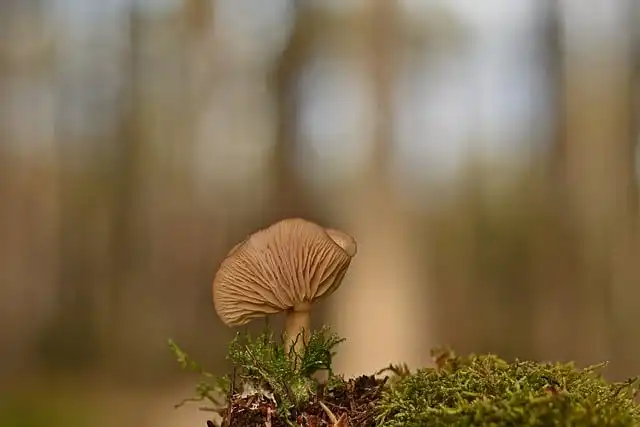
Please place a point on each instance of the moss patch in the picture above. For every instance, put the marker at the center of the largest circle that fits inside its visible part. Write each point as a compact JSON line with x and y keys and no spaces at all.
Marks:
{"x":272,"y":387}
{"x":488,"y":391}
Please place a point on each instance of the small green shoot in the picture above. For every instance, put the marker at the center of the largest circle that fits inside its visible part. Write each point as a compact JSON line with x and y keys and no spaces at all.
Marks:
{"x":263,"y":364}
{"x":211,"y":389}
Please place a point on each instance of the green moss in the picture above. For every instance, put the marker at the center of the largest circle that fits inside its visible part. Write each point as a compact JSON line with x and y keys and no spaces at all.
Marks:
{"x":210,"y":390}
{"x":477,"y":390}
{"x":263,"y":364}
{"x":488,"y":391}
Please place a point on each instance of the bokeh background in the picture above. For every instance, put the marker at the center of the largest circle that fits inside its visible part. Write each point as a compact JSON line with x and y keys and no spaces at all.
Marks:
{"x":483,"y":153}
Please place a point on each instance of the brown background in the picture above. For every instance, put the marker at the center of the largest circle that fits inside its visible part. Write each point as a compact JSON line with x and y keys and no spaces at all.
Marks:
{"x":136,"y":150}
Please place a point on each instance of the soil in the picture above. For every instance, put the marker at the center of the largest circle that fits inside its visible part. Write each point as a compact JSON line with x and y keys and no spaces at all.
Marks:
{"x":356,"y":400}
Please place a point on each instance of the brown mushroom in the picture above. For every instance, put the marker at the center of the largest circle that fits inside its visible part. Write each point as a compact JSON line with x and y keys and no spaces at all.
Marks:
{"x":285,"y":267}
{"x":345,"y":241}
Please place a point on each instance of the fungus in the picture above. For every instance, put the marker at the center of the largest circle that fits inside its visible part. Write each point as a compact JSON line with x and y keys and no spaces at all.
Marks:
{"x":284,"y":267}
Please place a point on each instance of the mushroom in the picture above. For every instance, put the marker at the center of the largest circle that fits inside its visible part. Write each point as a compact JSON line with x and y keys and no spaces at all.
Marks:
{"x":285,"y":267}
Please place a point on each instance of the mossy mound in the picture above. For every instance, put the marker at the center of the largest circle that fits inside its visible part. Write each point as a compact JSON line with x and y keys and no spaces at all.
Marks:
{"x":488,"y":391}
{"x":272,"y":387}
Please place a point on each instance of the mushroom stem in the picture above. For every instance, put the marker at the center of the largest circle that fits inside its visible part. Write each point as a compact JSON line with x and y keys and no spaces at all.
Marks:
{"x":297,"y":325}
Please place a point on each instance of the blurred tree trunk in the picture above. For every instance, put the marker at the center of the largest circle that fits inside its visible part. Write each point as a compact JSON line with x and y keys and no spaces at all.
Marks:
{"x":99,"y":225}
{"x":72,"y":339}
{"x":379,"y":309}
{"x":128,"y":233}
{"x":151,"y":192}
{"x":626,"y":250}
{"x":598,"y":162}
{"x":555,"y":245}
{"x":28,"y":185}
{"x":290,"y":197}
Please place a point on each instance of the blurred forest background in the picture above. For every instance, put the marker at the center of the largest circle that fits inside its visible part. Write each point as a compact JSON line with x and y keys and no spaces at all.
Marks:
{"x":483,"y":154}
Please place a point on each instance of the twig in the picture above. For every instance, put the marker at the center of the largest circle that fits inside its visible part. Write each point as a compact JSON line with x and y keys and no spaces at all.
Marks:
{"x":336,"y":422}
{"x":330,"y":414}
{"x":232,"y":388}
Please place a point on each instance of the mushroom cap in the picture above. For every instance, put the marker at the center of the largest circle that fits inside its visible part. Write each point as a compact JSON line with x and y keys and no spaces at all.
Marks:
{"x":287,"y":265}
{"x":344,"y":240}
